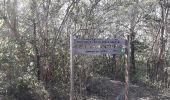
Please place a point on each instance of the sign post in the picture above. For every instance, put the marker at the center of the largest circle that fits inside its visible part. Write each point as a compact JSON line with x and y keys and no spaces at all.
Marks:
{"x":71,"y":69}
{"x":99,"y":51}
{"x":127,"y":48}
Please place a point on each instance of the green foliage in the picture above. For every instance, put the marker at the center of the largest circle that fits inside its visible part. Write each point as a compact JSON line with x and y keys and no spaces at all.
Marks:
{"x":140,"y":46}
{"x":107,"y":66}
{"x":26,"y":88}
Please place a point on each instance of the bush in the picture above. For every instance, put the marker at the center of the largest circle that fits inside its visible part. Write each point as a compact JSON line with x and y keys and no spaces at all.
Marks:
{"x":26,"y":89}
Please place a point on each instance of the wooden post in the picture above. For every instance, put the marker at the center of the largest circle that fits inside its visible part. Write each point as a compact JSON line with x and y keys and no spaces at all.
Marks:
{"x":127,"y":48}
{"x":81,"y":77}
{"x":71,"y":69}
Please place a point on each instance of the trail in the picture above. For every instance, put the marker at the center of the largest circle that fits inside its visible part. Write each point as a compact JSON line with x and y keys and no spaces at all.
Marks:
{"x":102,"y":88}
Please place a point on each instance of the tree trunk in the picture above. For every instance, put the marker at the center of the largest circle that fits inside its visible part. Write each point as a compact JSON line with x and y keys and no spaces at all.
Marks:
{"x":161,"y":55}
{"x":37,"y":56}
{"x":132,"y":53}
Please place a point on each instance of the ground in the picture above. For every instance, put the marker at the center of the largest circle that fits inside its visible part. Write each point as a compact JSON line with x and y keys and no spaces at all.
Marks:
{"x":102,"y":88}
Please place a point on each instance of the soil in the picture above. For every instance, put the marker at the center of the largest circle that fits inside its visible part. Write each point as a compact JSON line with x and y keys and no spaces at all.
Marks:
{"x":102,"y":88}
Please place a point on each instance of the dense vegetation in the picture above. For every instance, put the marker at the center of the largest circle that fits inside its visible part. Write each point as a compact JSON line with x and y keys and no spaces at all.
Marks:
{"x":34,"y":44}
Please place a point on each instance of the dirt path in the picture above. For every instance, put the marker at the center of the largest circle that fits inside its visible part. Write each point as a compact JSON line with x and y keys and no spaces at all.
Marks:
{"x":106,"y":89}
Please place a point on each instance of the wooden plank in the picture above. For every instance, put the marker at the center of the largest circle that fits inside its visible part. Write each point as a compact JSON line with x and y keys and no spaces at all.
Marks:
{"x":99,"y":51}
{"x":99,"y":41}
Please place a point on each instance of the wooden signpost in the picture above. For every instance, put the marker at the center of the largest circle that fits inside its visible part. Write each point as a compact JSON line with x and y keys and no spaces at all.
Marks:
{"x":127,"y":48}
{"x":99,"y":51}
{"x":71,"y":69}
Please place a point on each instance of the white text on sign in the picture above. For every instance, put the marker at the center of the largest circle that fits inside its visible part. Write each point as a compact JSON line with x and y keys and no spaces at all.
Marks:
{"x":99,"y":41}
{"x":99,"y":51}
